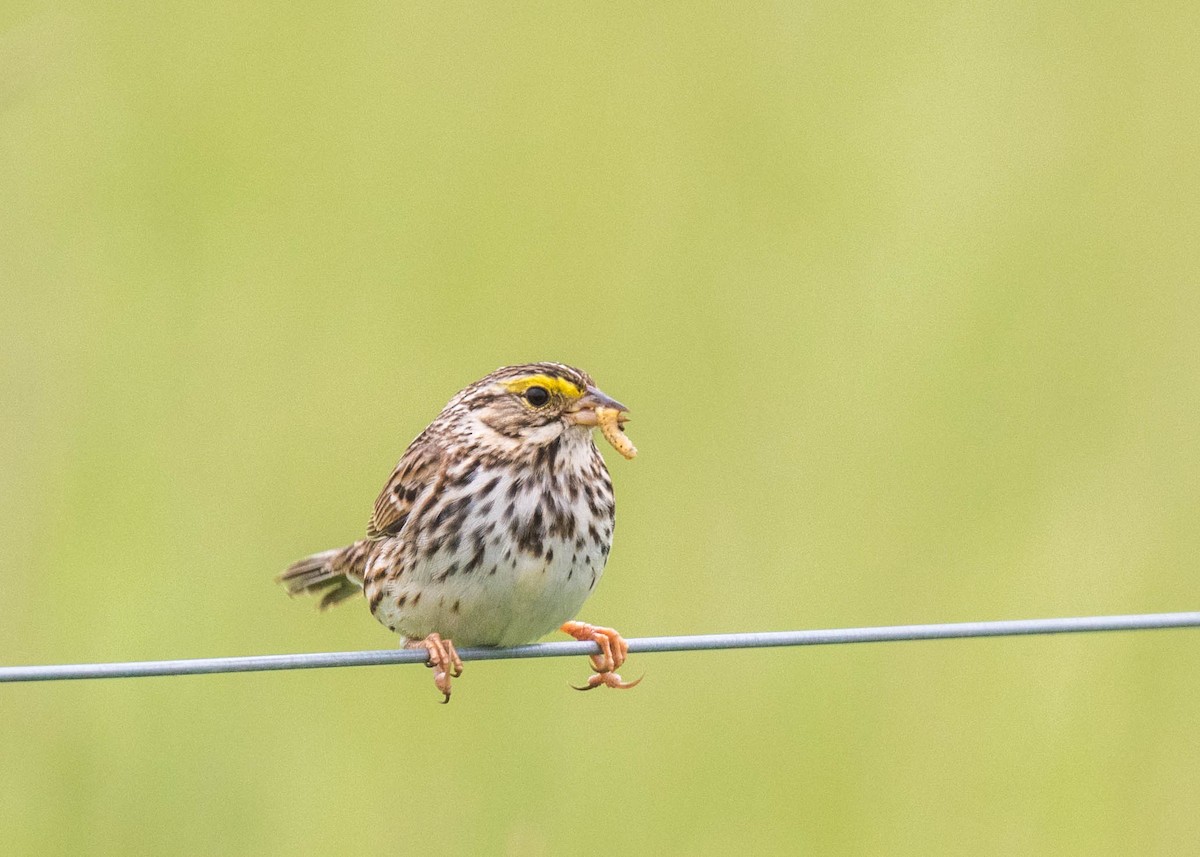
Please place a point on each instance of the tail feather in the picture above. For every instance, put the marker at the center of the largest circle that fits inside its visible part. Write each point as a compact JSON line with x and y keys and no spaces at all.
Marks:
{"x":335,"y":574}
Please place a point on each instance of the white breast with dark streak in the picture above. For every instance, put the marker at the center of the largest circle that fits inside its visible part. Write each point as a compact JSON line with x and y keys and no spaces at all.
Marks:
{"x":522,"y":561}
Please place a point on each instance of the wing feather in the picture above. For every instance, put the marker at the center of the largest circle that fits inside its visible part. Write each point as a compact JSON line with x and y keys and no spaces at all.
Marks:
{"x":418,"y":471}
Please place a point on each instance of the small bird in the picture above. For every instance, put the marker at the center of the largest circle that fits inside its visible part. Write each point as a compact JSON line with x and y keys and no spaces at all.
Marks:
{"x":495,"y":526}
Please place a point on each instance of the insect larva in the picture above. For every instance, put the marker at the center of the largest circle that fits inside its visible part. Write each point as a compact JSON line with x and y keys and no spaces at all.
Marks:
{"x":610,"y":427}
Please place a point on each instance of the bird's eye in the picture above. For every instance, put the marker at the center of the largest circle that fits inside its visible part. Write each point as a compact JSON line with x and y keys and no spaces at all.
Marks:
{"x":537,"y":396}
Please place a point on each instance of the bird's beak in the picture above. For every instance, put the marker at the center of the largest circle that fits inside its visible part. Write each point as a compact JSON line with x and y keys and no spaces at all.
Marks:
{"x":583,"y":412}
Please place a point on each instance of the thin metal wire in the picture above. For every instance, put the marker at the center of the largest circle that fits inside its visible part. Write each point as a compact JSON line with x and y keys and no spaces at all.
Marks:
{"x":641,"y":645}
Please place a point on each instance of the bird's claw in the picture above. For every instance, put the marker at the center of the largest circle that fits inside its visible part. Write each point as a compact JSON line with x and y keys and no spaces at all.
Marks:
{"x":608,"y":679}
{"x":613,"y":651}
{"x":443,"y":659}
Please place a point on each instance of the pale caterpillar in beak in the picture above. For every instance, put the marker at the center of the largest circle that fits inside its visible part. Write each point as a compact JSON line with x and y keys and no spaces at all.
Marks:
{"x":610,"y":427}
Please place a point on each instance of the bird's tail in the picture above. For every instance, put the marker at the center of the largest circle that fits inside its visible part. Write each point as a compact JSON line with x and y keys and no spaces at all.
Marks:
{"x":335,"y":574}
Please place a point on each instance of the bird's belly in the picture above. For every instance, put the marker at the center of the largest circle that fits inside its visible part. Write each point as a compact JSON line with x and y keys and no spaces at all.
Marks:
{"x":541,"y":597}
{"x":506,"y":600}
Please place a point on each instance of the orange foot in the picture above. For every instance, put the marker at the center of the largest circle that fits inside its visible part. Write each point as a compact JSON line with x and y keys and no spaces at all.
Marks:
{"x":613,"y":650}
{"x":442,"y":658}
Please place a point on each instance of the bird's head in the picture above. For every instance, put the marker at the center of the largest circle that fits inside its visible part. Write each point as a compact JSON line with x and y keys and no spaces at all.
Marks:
{"x":527,"y":407}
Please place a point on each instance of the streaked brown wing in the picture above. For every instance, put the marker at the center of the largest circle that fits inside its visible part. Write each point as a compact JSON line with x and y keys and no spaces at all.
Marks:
{"x":418,"y":469}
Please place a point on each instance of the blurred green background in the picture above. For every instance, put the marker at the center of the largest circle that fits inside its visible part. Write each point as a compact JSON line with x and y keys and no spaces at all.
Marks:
{"x":905,"y":301}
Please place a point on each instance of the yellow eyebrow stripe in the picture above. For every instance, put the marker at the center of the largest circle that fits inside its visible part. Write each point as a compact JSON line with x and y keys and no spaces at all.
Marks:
{"x":555,"y":385}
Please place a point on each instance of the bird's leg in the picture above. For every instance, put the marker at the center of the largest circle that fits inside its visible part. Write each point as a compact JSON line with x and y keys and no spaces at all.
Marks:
{"x":613,"y":650}
{"x":443,"y":659}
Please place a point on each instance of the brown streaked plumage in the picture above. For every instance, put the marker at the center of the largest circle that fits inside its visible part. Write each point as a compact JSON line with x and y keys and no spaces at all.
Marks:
{"x":495,"y":525}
